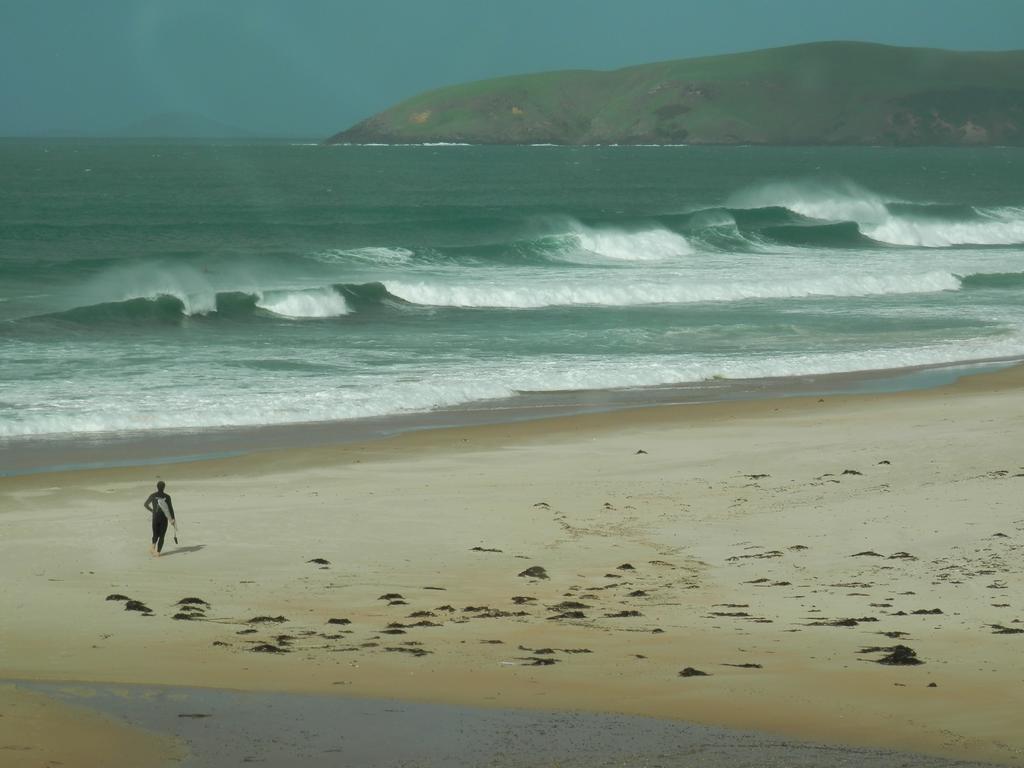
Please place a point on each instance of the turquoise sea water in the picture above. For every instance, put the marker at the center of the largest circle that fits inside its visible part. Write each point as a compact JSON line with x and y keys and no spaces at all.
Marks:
{"x":150,"y":286}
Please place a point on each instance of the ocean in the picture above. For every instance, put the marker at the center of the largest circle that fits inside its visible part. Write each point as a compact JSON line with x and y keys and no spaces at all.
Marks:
{"x":150,"y":286}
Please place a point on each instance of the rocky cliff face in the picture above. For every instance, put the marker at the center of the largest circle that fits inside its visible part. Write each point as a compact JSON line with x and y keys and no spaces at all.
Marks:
{"x":823,"y":93}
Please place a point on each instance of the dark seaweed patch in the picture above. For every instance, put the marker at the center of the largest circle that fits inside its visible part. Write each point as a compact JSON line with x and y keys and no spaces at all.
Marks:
{"x":268,"y":648}
{"x":535,"y":572}
{"x":691,"y":672}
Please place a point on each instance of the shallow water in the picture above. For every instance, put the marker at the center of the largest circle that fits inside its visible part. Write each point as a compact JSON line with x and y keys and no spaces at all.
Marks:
{"x":57,"y":453}
{"x":230,"y":728}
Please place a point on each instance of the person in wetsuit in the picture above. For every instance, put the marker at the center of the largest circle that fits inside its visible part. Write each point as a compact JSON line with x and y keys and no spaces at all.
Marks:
{"x":159,"y":503}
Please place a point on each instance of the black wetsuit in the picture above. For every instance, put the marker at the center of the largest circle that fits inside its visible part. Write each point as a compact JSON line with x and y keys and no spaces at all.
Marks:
{"x":159,"y":518}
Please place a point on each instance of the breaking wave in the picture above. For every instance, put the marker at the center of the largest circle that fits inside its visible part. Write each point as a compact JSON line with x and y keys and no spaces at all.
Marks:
{"x":317,"y":303}
{"x":645,"y":245}
{"x":892,"y":222}
{"x":339,"y":300}
{"x":321,"y":302}
{"x":989,"y":228}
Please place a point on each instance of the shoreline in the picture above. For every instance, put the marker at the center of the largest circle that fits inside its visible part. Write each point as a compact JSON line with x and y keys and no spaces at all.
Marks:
{"x":770,"y":543}
{"x":34,"y":454}
{"x":214,"y":728}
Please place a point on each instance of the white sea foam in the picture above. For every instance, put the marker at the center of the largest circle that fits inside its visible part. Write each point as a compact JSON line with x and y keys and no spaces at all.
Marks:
{"x":527,"y":296}
{"x":655,"y":244}
{"x":318,"y":302}
{"x":210,"y":402}
{"x":992,"y":230}
{"x":846,"y":201}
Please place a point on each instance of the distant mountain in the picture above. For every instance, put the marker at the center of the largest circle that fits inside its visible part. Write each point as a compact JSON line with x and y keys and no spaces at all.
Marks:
{"x":183,"y":125}
{"x":818,"y":93}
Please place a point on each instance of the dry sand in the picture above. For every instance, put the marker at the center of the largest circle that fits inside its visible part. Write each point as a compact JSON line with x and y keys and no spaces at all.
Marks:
{"x":753,"y":531}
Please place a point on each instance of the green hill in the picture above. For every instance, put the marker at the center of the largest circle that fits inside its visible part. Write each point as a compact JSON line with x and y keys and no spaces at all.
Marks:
{"x":819,"y":93}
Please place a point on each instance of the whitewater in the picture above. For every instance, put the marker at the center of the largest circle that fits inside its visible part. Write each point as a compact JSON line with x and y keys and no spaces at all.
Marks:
{"x":146,"y":287}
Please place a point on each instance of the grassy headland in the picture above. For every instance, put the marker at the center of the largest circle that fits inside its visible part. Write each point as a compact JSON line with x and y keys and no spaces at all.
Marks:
{"x":818,"y":93}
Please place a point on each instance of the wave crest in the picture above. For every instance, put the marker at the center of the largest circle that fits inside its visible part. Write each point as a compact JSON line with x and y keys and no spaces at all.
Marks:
{"x":893,"y":222}
{"x":994,"y":280}
{"x":318,"y":302}
{"x":388,"y":256}
{"x":657,"y":244}
{"x":837,"y":200}
{"x":315,"y":303}
{"x":991,"y":230}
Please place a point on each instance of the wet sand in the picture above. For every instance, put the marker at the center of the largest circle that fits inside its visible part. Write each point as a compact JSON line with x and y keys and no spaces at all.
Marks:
{"x":782,"y":547}
{"x":223,"y":728}
{"x":38,"y":729}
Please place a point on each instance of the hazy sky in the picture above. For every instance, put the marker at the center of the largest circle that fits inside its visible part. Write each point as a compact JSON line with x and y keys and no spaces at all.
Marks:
{"x":308,"y":68}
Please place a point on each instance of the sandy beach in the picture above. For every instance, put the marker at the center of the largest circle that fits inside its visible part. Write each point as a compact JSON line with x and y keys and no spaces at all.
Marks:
{"x":597,"y":563}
